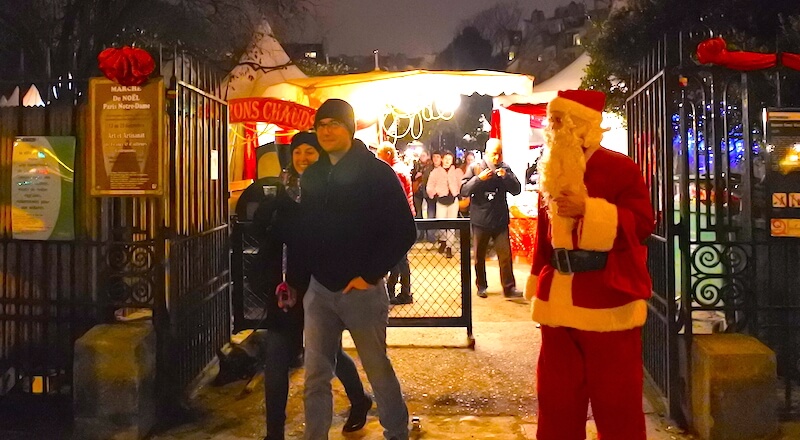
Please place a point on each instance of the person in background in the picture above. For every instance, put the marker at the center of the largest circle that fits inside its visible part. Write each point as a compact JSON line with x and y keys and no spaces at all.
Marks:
{"x":360,"y":226}
{"x":401,"y":271}
{"x":284,"y":321}
{"x":463,"y":202}
{"x":469,"y":159}
{"x":589,"y":279}
{"x":444,"y":184}
{"x":487,"y":183}
{"x":419,"y":179}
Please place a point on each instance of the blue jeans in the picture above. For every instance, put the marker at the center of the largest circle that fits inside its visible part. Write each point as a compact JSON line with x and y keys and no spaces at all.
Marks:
{"x":365,"y":313}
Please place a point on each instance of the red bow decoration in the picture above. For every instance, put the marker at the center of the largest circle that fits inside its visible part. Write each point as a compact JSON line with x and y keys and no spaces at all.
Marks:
{"x":129,"y":66}
{"x":714,"y":51}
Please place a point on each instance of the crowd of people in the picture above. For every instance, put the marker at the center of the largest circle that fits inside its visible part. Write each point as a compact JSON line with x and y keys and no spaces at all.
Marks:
{"x":346,"y":219}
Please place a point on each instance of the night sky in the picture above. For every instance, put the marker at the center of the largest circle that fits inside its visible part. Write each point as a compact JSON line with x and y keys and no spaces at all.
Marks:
{"x":413,"y":27}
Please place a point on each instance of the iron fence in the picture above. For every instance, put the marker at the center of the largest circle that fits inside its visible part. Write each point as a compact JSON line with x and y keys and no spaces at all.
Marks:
{"x":697,"y":133}
{"x":168,"y":254}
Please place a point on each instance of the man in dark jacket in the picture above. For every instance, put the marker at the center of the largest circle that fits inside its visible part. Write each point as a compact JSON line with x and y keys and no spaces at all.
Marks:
{"x":360,"y":226}
{"x":487,"y":183}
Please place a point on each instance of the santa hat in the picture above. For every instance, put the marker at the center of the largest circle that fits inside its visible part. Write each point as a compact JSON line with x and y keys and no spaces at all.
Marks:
{"x":584,"y":104}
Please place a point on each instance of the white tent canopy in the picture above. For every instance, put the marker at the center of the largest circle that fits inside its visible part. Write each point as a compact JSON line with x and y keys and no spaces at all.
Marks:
{"x":569,"y":78}
{"x":264,"y":63}
{"x":31,"y":98}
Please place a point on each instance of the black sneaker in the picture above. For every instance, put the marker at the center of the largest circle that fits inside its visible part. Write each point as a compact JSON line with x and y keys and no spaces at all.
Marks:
{"x":358,"y":416}
{"x":403,"y":299}
{"x":482,"y":292}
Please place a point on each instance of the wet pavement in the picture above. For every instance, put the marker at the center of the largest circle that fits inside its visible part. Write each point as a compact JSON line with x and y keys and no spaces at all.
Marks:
{"x":457,"y":392}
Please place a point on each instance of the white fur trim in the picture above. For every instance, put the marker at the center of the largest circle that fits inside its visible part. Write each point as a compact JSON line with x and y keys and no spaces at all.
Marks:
{"x":598,"y":229}
{"x":561,"y":229}
{"x":575,"y":109}
{"x":531,"y":285}
{"x":624,"y":317}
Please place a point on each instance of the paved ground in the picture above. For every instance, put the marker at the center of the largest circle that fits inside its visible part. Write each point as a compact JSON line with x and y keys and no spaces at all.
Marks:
{"x":457,"y":392}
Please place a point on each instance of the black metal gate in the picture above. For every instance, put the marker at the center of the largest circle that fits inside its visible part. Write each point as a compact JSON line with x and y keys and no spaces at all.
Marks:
{"x":697,"y":133}
{"x":169,"y":255}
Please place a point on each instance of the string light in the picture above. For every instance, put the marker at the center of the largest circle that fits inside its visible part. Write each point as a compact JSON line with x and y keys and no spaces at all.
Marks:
{"x":416,"y":116}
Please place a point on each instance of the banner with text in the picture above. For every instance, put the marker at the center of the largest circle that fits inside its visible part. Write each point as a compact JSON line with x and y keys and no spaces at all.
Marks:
{"x":126,"y":138}
{"x":286,"y":114}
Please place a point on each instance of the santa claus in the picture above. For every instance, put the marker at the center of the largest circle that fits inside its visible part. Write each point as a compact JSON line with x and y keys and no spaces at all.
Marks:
{"x":589,"y":278}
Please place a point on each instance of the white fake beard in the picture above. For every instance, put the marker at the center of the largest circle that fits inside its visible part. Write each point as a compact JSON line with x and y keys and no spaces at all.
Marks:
{"x":562,"y":168}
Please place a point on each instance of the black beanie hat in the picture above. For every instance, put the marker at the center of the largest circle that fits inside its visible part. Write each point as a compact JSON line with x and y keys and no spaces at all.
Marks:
{"x":306,"y":137}
{"x":339,"y":110}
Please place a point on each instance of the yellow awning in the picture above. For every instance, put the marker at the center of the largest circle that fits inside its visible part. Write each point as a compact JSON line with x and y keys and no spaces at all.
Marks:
{"x":366,"y":91}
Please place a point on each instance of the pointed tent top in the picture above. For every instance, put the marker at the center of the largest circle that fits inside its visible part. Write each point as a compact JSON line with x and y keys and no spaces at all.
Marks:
{"x":32,"y":98}
{"x":13,"y":100}
{"x":264,"y":63}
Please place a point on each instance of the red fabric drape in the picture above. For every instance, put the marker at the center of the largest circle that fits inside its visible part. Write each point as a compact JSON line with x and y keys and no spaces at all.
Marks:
{"x":250,"y":145}
{"x":791,"y":60}
{"x":713,"y":51}
{"x":495,"y":122}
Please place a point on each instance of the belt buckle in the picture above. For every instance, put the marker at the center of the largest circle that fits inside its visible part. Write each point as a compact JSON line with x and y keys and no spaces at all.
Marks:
{"x":562,"y":258}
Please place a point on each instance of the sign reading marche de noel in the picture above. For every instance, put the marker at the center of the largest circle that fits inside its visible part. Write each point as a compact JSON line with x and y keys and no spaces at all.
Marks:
{"x":42,"y":176}
{"x":126,"y":138}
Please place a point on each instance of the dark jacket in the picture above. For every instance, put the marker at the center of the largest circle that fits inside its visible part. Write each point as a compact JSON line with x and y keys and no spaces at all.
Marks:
{"x":357,"y":216}
{"x":270,"y":230}
{"x":488,"y":207}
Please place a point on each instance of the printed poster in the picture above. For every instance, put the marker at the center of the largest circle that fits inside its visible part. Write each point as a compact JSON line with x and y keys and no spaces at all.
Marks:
{"x":127,"y":138}
{"x":42,"y":183}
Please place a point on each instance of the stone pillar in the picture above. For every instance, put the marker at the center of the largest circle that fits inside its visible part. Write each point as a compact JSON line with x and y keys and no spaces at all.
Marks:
{"x":114,"y":372}
{"x":734,"y":380}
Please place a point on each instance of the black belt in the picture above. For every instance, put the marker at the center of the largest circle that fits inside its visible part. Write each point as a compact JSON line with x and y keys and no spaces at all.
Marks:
{"x":567,"y":261}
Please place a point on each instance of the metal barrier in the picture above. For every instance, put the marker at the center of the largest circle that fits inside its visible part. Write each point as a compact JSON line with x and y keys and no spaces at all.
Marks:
{"x":440,"y":282}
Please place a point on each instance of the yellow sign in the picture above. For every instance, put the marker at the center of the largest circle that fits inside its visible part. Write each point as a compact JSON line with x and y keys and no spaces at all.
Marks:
{"x":126,"y":138}
{"x":779,"y":200}
{"x":785,"y":227}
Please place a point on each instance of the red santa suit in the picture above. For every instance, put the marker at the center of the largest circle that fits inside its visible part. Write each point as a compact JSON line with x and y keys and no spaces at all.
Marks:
{"x":591,"y":320}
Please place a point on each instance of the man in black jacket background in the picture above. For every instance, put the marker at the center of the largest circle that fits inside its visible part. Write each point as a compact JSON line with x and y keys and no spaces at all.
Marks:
{"x":360,"y":226}
{"x":487,"y":183}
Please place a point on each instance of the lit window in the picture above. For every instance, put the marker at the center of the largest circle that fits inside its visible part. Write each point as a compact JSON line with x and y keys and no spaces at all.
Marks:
{"x":511,"y":56}
{"x":311,"y":55}
{"x":576,"y":40}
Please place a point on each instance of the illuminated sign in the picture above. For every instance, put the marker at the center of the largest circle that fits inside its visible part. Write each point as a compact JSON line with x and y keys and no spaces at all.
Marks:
{"x":273,"y":111}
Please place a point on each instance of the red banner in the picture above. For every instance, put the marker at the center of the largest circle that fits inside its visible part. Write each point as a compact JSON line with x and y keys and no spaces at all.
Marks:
{"x":286,"y":114}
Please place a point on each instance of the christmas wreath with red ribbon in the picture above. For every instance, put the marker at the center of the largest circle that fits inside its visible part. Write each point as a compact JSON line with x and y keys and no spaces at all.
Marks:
{"x":128,"y":66}
{"x":714,"y":51}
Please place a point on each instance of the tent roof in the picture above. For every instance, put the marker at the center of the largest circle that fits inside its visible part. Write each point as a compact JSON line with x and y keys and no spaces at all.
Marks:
{"x":396,"y":87}
{"x":264,"y":63}
{"x":568,"y":78}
